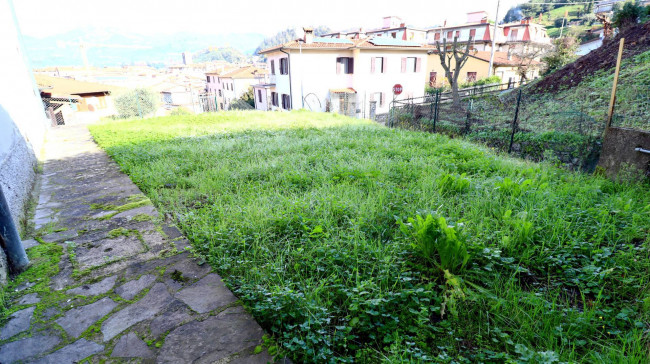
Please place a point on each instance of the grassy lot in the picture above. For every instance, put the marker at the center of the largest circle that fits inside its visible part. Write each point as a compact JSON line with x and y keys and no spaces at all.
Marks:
{"x":312,"y":220}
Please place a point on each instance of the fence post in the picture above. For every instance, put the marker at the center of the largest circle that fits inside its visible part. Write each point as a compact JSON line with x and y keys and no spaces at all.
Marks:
{"x":435,"y":113}
{"x":612,"y":101}
{"x":137,"y":99}
{"x":514,"y":123}
{"x":431,"y":110}
{"x":469,"y":116}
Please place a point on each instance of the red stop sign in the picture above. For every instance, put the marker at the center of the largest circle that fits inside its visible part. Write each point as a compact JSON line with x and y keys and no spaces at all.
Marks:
{"x":397,"y":89}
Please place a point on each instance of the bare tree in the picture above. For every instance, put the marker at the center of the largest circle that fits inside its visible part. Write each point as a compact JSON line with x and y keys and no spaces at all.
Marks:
{"x":526,"y":60}
{"x":452,"y":61}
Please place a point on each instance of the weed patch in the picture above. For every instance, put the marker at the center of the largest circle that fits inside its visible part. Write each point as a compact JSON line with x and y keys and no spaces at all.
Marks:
{"x":300,"y":214}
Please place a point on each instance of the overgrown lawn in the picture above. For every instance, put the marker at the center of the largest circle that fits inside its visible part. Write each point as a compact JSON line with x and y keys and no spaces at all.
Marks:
{"x":306,"y":216}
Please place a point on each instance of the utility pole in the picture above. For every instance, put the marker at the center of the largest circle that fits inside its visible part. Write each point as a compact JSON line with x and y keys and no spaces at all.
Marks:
{"x":494,"y":39}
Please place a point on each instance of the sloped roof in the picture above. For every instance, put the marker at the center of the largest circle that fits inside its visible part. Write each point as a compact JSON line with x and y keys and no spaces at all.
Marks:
{"x":244,"y":72}
{"x":68,"y":86}
{"x":325,"y":43}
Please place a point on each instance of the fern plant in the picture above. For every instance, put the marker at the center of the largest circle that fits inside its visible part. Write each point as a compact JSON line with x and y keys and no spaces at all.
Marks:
{"x":437,"y":242}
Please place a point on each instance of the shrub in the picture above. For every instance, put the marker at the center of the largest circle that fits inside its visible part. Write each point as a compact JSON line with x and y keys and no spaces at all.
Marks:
{"x":136,"y":103}
{"x":563,"y":54}
{"x":627,"y":15}
{"x":180,"y":111}
{"x":437,"y":242}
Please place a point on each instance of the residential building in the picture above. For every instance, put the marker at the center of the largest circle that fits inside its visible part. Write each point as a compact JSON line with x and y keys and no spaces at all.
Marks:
{"x":351,"y":76}
{"x":506,"y":66}
{"x":607,"y":6}
{"x":522,"y":36}
{"x":230,"y":86}
{"x":393,"y":27}
{"x":77,"y":100}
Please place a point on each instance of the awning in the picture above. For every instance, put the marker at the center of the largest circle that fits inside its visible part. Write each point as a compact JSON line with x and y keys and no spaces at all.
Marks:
{"x":348,"y":90}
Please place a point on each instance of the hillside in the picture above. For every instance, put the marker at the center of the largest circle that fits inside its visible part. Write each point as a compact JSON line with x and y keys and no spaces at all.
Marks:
{"x":637,"y":41}
{"x":580,"y":17}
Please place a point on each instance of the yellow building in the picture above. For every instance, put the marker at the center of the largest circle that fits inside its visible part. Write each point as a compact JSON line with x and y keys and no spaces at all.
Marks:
{"x":477,"y":67}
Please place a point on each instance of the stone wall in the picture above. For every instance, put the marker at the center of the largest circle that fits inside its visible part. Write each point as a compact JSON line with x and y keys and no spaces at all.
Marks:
{"x":618,"y":151}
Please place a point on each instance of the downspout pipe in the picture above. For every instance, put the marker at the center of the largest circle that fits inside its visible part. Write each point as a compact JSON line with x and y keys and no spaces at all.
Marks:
{"x":10,"y":238}
{"x":289,"y":70}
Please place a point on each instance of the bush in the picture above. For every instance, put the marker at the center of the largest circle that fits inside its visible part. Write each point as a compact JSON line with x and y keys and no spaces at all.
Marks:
{"x":563,"y":54}
{"x":627,"y":15}
{"x":136,"y":103}
{"x":180,"y":111}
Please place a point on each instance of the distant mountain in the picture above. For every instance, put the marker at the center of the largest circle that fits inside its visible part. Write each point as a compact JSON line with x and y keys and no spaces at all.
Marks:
{"x":112,"y":47}
{"x":229,"y":54}
{"x":287,"y":35}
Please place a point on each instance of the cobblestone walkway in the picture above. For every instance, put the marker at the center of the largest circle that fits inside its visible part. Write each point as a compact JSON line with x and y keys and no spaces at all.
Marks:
{"x":125,"y":290}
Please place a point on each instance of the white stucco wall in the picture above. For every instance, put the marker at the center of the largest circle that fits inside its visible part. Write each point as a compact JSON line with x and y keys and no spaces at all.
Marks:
{"x":22,"y":119}
{"x":313,"y":73}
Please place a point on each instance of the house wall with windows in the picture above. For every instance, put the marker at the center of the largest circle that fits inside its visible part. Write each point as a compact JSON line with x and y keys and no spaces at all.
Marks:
{"x":322,"y":76}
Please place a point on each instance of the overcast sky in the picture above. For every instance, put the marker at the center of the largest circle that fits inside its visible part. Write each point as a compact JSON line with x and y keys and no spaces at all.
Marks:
{"x":39,"y":17}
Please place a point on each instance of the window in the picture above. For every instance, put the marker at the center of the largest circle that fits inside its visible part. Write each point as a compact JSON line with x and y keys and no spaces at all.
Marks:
{"x":514,"y":33}
{"x":458,"y":34}
{"x":272,"y":67}
{"x":377,"y":65}
{"x":284,"y":66}
{"x":411,"y":64}
{"x":274,"y":98}
{"x":344,"y":65}
{"x":259,"y":95}
{"x":450,"y":34}
{"x":219,"y":92}
{"x":433,"y":78}
{"x":393,"y":34}
{"x":208,"y":77}
{"x":286,"y":102}
{"x":471,"y":76}
{"x":167,"y":97}
{"x":378,"y":97}
{"x":436,"y":36}
{"x":221,"y":105}
{"x":472,"y":33}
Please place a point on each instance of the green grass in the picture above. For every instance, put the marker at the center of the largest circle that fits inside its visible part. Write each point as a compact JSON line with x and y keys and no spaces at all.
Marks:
{"x":306,"y":216}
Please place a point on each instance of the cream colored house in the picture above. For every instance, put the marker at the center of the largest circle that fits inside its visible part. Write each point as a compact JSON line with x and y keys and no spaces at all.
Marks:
{"x":351,"y":76}
{"x":506,"y":66}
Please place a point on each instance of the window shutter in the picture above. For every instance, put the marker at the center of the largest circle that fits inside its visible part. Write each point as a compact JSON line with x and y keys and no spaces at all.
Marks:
{"x":350,"y":65}
{"x":372,"y":65}
{"x":338,"y":65}
{"x":418,"y":64}
{"x":403,"y":65}
{"x":383,"y":64}
{"x":272,"y":67}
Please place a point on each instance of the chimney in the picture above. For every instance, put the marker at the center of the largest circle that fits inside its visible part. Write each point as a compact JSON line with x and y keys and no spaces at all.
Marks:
{"x":309,"y":35}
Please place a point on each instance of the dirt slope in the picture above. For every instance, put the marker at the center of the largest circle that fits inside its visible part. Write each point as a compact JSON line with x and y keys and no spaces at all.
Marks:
{"x":637,"y":40}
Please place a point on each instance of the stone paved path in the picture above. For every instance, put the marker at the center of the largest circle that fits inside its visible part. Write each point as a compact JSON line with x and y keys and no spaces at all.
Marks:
{"x":126,"y":289}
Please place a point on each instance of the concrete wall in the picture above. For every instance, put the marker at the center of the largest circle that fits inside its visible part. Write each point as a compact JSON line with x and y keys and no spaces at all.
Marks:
{"x":618,"y":151}
{"x":22,"y":119}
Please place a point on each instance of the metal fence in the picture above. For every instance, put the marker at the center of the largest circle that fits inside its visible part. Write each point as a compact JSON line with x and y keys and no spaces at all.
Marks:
{"x":566,"y":130}
{"x":632,"y":107}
